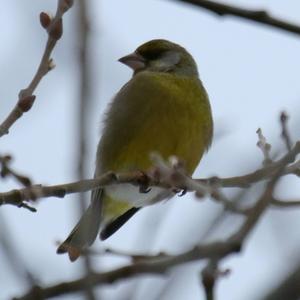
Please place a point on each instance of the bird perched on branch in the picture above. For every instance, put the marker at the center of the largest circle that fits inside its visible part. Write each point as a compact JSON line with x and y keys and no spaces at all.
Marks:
{"x":163,"y":108}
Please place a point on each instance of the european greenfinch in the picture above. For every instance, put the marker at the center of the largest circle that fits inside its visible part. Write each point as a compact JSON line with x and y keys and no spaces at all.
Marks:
{"x":164,"y":108}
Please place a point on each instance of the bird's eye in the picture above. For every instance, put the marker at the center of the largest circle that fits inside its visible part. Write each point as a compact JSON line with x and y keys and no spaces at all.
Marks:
{"x":152,"y":54}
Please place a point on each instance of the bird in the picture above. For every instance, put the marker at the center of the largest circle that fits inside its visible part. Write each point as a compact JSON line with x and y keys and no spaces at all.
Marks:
{"x":164,"y":108}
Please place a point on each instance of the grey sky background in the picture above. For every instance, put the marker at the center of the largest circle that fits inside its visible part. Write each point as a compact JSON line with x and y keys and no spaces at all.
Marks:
{"x":251,"y":73}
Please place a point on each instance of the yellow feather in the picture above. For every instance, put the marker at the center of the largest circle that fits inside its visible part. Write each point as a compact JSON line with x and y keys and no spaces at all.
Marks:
{"x":155,"y":112}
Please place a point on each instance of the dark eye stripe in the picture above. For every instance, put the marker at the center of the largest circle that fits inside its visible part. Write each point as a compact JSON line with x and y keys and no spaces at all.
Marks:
{"x":151,"y":53}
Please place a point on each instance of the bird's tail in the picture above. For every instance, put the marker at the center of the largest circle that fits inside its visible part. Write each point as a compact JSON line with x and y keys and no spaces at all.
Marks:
{"x":85,"y":231}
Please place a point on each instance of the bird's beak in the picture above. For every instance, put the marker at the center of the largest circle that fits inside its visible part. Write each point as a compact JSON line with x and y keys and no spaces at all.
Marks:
{"x":134,"y":61}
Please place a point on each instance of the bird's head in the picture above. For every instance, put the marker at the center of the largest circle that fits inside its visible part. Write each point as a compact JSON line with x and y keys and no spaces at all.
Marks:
{"x":161,"y":56}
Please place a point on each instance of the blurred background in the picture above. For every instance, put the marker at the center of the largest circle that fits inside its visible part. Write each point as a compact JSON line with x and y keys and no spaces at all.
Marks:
{"x":251,"y":73}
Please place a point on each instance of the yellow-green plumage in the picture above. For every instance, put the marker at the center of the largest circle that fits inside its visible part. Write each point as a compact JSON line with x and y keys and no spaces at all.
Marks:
{"x":172,"y":118}
{"x":164,"y":108}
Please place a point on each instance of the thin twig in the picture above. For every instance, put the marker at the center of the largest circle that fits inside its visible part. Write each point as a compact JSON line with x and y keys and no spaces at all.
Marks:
{"x":26,"y":99}
{"x":258,"y":16}
{"x":6,"y":170}
{"x":265,"y":147}
{"x":285,"y":203}
{"x":266,"y":198}
{"x":209,"y":279}
{"x":264,"y":173}
{"x":229,"y":205}
{"x":210,"y":274}
{"x":284,"y":131}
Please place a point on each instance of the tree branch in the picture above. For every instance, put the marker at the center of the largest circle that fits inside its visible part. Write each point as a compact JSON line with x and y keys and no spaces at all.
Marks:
{"x":17,"y":197}
{"x":54,"y":28}
{"x":247,"y":180}
{"x":6,"y":170}
{"x":160,"y":264}
{"x":285,"y":203}
{"x":163,"y":175}
{"x":159,"y":267}
{"x":258,"y":16}
{"x":284,"y":131}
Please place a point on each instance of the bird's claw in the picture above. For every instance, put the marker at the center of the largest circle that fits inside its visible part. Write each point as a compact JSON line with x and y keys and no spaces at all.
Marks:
{"x":143,"y":182}
{"x":183,"y":192}
{"x":144,"y":189}
{"x":180,"y":192}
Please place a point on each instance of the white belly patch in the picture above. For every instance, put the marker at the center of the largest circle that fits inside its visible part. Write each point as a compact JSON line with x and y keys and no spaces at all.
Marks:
{"x":129,"y":193}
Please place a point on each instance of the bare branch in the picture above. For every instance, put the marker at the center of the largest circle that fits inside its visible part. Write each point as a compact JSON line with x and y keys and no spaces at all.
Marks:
{"x":285,"y":203}
{"x":258,"y":16}
{"x":209,"y":279}
{"x":6,"y":170}
{"x":161,"y":264}
{"x":159,"y":267}
{"x":284,"y":131}
{"x":210,"y":274}
{"x":266,"y":198}
{"x":229,"y":205}
{"x":171,"y":178}
{"x":17,"y":197}
{"x":264,"y":146}
{"x":26,"y":97}
{"x":258,"y":175}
